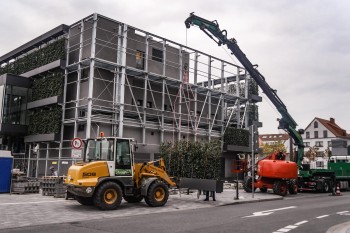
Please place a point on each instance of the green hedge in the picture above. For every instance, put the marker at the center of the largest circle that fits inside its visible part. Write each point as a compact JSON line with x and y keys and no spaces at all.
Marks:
{"x":192,"y":159}
{"x":49,"y":53}
{"x":49,"y":85}
{"x":238,"y":137}
{"x":45,"y":120}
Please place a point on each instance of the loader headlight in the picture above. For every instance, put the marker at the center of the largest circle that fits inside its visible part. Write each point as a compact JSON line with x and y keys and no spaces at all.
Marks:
{"x":69,"y":178}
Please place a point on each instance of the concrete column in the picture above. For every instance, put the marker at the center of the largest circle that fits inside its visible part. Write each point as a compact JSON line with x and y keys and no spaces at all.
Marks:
{"x":91,"y":77}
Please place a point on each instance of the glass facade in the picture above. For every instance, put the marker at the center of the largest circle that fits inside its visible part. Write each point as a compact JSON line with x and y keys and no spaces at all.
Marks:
{"x":14,"y":101}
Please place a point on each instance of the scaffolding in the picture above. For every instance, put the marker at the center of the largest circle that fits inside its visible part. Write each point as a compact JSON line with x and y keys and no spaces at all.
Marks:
{"x":131,"y":83}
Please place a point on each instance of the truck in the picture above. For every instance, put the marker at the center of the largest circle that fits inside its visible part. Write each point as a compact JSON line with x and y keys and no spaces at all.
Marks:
{"x":273,"y":172}
{"x":325,"y":173}
{"x":108,"y":173}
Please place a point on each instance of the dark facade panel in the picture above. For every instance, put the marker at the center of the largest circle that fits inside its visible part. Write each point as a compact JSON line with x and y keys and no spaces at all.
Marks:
{"x":44,"y":68}
{"x":15,"y":80}
{"x":44,"y":102}
{"x":42,"y":137}
{"x":13,"y":130}
{"x":56,"y":32}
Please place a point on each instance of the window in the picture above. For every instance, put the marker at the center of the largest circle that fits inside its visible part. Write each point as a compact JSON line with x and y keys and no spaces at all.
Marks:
{"x":307,"y":134}
{"x":139,"y":102}
{"x":325,"y":133}
{"x":315,"y":124}
{"x":329,"y":143}
{"x":165,"y":107}
{"x":307,"y":144}
{"x":319,"y":144}
{"x":319,"y":164}
{"x":157,"y":55}
{"x":140,"y":59}
{"x":149,"y":104}
{"x":316,"y":134}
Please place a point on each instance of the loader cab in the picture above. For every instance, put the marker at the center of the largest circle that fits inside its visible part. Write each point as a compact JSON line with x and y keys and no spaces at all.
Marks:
{"x":117,"y":152}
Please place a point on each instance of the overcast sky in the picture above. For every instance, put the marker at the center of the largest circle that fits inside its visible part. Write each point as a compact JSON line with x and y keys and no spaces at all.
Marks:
{"x":302,"y":47}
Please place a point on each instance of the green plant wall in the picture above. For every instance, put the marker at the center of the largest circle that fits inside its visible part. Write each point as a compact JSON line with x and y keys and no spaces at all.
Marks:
{"x":253,"y":113}
{"x":238,"y":137}
{"x":192,"y":159}
{"x":49,"y":85}
{"x":43,"y":56}
{"x":45,"y":120}
{"x":253,"y":88}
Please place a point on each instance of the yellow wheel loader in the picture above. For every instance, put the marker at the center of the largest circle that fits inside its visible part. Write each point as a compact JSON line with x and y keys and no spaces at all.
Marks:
{"x":108,"y":174}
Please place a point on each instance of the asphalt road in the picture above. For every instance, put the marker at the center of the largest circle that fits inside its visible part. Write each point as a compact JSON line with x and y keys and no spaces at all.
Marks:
{"x":305,"y":212}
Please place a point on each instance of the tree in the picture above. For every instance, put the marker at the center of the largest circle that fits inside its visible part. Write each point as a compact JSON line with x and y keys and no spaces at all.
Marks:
{"x":270,"y":148}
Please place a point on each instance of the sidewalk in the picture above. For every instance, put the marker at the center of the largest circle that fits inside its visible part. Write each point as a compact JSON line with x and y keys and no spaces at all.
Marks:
{"x":227,"y":197}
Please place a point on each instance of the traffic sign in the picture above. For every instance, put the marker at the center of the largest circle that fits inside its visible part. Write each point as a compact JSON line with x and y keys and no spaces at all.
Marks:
{"x":77,"y":143}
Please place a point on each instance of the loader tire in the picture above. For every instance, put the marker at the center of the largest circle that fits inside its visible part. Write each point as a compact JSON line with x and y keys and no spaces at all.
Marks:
{"x":248,"y":184}
{"x":280,"y":187}
{"x":157,"y":194}
{"x":84,"y":200}
{"x":133,"y":199}
{"x":108,"y":196}
{"x":293,"y":187}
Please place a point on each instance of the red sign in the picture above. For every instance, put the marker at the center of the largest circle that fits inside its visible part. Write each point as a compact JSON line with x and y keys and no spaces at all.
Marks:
{"x":77,"y":143}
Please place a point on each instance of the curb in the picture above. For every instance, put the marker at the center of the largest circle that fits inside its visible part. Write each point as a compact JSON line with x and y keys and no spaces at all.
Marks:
{"x":250,"y":201}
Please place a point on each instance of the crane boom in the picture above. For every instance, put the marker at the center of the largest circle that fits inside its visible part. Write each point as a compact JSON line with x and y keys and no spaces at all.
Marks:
{"x":287,"y":123}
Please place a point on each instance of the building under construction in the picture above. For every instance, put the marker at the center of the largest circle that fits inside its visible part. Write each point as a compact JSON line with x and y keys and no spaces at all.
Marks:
{"x":99,"y":74}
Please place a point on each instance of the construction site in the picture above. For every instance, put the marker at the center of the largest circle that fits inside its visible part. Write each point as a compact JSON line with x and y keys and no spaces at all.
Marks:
{"x":101,"y":75}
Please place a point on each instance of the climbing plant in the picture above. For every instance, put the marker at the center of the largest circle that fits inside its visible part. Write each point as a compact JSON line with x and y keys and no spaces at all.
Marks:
{"x":238,"y":137}
{"x":40,"y":57}
{"x":49,"y":85}
{"x":45,"y":120}
{"x":192,"y":159}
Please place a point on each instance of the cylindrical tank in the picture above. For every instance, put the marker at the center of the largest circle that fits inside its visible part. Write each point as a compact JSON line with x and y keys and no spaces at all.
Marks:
{"x":278,"y":169}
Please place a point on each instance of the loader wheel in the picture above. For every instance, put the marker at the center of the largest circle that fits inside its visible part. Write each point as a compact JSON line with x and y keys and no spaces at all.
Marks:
{"x":157,"y":195}
{"x":280,"y":188}
{"x":293,"y":187}
{"x":84,"y":200}
{"x":248,"y":184}
{"x":263,"y":190}
{"x":133,"y":199}
{"x":108,"y":196}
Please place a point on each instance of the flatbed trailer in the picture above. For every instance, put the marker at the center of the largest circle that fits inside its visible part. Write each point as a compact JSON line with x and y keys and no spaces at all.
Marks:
{"x":325,"y":180}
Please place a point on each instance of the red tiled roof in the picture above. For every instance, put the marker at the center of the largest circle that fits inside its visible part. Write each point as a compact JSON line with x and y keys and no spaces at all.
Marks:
{"x":333,"y":127}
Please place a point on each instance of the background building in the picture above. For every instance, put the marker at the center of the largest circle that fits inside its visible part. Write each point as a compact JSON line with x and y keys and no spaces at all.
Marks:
{"x":320,"y":133}
{"x":103,"y":75}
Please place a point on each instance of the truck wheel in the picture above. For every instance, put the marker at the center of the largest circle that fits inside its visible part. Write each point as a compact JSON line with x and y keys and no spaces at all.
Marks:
{"x":133,"y":199}
{"x":248,"y":184}
{"x":84,"y":200}
{"x":157,"y":195}
{"x":263,"y":190}
{"x":108,"y":196}
{"x":280,"y":188}
{"x":293,"y":187}
{"x":325,"y":187}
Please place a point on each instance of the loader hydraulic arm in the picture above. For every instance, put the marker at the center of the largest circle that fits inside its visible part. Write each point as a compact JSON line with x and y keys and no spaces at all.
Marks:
{"x":287,"y":123}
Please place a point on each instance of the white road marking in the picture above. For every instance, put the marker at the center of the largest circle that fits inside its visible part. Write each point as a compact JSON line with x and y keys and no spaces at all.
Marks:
{"x":291,"y":227}
{"x":267,"y":212}
{"x":24,"y":203}
{"x":302,"y":222}
{"x":322,"y":216}
{"x":343,"y":212}
{"x":283,"y":230}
